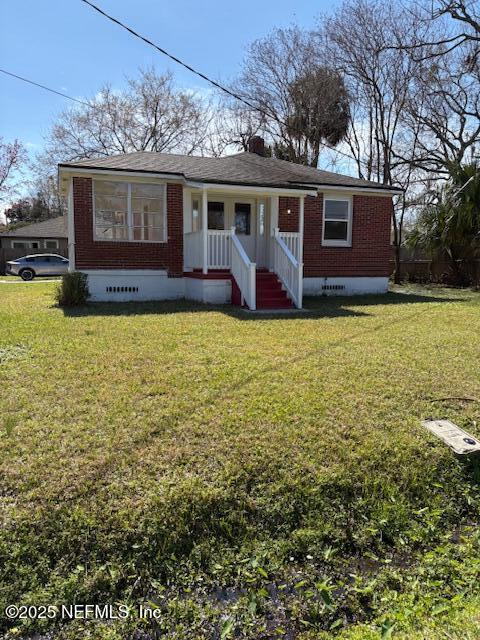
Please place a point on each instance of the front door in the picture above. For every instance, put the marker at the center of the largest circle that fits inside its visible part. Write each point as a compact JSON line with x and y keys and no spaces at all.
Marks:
{"x":244,"y":220}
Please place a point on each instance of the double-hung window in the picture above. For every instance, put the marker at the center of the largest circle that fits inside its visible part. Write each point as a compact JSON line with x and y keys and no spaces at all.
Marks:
{"x":216,"y":215}
{"x":337,"y":222}
{"x":130,"y":212}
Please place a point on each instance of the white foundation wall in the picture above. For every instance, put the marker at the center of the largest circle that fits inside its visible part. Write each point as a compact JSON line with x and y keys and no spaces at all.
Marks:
{"x":344,"y":286}
{"x":129,"y":285}
{"x":209,"y":291}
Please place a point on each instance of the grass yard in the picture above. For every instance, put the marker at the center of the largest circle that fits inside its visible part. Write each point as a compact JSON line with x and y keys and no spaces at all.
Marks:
{"x":253,"y":477}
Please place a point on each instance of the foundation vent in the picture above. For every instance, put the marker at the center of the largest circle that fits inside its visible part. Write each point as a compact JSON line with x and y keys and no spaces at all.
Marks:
{"x":333,"y":287}
{"x":121,"y":289}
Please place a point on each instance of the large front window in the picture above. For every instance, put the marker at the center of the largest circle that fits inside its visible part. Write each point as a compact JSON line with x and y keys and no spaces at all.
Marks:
{"x":132,"y":212}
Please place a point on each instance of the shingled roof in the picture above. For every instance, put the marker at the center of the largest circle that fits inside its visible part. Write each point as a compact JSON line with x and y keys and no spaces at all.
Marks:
{"x":51,"y":228}
{"x":247,"y":169}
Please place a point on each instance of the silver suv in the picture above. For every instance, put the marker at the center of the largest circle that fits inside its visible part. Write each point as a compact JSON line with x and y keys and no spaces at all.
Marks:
{"x":42,"y":264}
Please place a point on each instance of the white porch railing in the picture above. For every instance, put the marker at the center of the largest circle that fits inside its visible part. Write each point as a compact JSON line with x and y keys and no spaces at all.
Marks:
{"x":219,"y":249}
{"x":292,"y":240}
{"x":244,"y":272}
{"x":193,"y":250}
{"x":288,"y":269}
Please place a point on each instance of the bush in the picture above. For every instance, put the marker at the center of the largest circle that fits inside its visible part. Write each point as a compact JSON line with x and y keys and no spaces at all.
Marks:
{"x":73,"y":290}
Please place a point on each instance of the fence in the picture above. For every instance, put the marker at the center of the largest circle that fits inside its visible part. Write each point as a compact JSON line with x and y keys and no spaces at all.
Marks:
{"x":438,"y":271}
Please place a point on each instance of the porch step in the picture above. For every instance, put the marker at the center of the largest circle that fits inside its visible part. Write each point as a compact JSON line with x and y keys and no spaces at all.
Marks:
{"x":270,"y":294}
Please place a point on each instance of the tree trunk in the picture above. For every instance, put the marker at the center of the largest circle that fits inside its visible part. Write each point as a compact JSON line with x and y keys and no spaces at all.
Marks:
{"x":397,"y":276}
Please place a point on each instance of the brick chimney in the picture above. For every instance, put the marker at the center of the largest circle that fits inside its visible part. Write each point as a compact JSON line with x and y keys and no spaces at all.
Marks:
{"x":256,"y":144}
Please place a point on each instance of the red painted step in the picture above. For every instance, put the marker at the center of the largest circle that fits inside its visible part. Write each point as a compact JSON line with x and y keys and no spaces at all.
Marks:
{"x":270,"y":294}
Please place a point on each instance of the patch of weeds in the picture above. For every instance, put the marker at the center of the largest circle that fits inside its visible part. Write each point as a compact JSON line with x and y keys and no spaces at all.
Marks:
{"x":9,"y":424}
{"x":12,"y":352}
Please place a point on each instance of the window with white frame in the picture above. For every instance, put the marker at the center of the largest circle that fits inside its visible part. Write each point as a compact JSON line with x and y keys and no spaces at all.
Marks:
{"x":337,"y":222}
{"x":196,"y":217}
{"x":51,"y":244}
{"x":19,"y":244}
{"x":134,"y":212}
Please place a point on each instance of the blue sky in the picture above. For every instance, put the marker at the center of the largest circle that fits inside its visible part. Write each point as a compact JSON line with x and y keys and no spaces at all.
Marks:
{"x":69,"y":47}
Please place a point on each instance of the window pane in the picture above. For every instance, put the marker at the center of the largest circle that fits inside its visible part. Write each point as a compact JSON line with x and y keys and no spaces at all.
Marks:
{"x":147,"y":191}
{"x":196,"y":219}
{"x":111,"y":233}
{"x":336,"y":231}
{"x":109,"y":188}
{"x":216,"y":216}
{"x":147,"y":204}
{"x":148,"y":233}
{"x":148,"y":220}
{"x":336,"y":209}
{"x":242,"y":218}
{"x":106,"y":218}
{"x":110,"y":203}
{"x":51,"y":244}
{"x":261,"y":218}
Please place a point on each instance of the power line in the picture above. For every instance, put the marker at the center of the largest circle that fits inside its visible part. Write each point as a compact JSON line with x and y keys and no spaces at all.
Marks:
{"x":178,"y":61}
{"x":42,"y":86}
{"x":219,"y":86}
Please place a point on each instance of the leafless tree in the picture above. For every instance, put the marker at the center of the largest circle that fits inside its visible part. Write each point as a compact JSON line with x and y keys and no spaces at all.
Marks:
{"x":445,"y":103}
{"x":457,"y":23}
{"x":380,"y":82}
{"x":303,"y":103}
{"x":12,"y":157}
{"x":232,"y":126}
{"x":150,"y":115}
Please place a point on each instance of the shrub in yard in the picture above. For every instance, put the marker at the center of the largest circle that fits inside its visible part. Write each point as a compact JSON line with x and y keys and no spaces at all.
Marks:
{"x":73,"y":290}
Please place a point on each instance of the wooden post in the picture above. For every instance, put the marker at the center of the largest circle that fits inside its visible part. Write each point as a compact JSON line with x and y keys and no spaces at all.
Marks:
{"x":205,"y":230}
{"x":252,"y":286}
{"x":301,"y":217}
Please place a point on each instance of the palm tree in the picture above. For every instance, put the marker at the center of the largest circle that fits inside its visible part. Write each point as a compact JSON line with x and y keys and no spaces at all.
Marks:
{"x":451,"y":227}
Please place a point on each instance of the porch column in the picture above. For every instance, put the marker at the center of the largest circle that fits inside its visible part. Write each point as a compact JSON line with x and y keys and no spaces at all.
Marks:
{"x":300,"y":228}
{"x":273,"y":214}
{"x":301,"y":216}
{"x":205,"y":230}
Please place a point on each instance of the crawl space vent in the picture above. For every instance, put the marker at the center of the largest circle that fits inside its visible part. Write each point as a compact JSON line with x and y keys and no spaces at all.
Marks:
{"x":122,"y":289}
{"x":333,"y":287}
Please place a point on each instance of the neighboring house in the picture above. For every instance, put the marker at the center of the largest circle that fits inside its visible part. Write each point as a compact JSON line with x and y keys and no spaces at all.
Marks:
{"x":49,"y":236}
{"x":244,"y":228}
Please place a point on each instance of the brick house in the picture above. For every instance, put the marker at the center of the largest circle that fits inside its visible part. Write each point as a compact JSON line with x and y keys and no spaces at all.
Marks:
{"x":243,"y":229}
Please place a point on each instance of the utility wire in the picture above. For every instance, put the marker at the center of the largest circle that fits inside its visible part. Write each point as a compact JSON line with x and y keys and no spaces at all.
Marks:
{"x":42,"y":86}
{"x":219,"y":86}
{"x":183,"y":64}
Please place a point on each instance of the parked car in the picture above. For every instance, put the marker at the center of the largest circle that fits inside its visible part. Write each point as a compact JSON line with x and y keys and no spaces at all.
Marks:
{"x":42,"y":264}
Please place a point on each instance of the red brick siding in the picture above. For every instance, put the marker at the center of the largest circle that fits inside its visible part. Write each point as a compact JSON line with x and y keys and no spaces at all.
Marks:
{"x":370,"y":252}
{"x":90,"y":254}
{"x":288,"y":221}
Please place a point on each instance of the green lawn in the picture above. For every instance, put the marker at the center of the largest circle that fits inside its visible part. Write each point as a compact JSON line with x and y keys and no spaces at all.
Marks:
{"x":252,"y":476}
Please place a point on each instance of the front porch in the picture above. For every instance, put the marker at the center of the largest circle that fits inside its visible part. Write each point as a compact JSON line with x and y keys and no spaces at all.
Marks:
{"x":235,"y":236}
